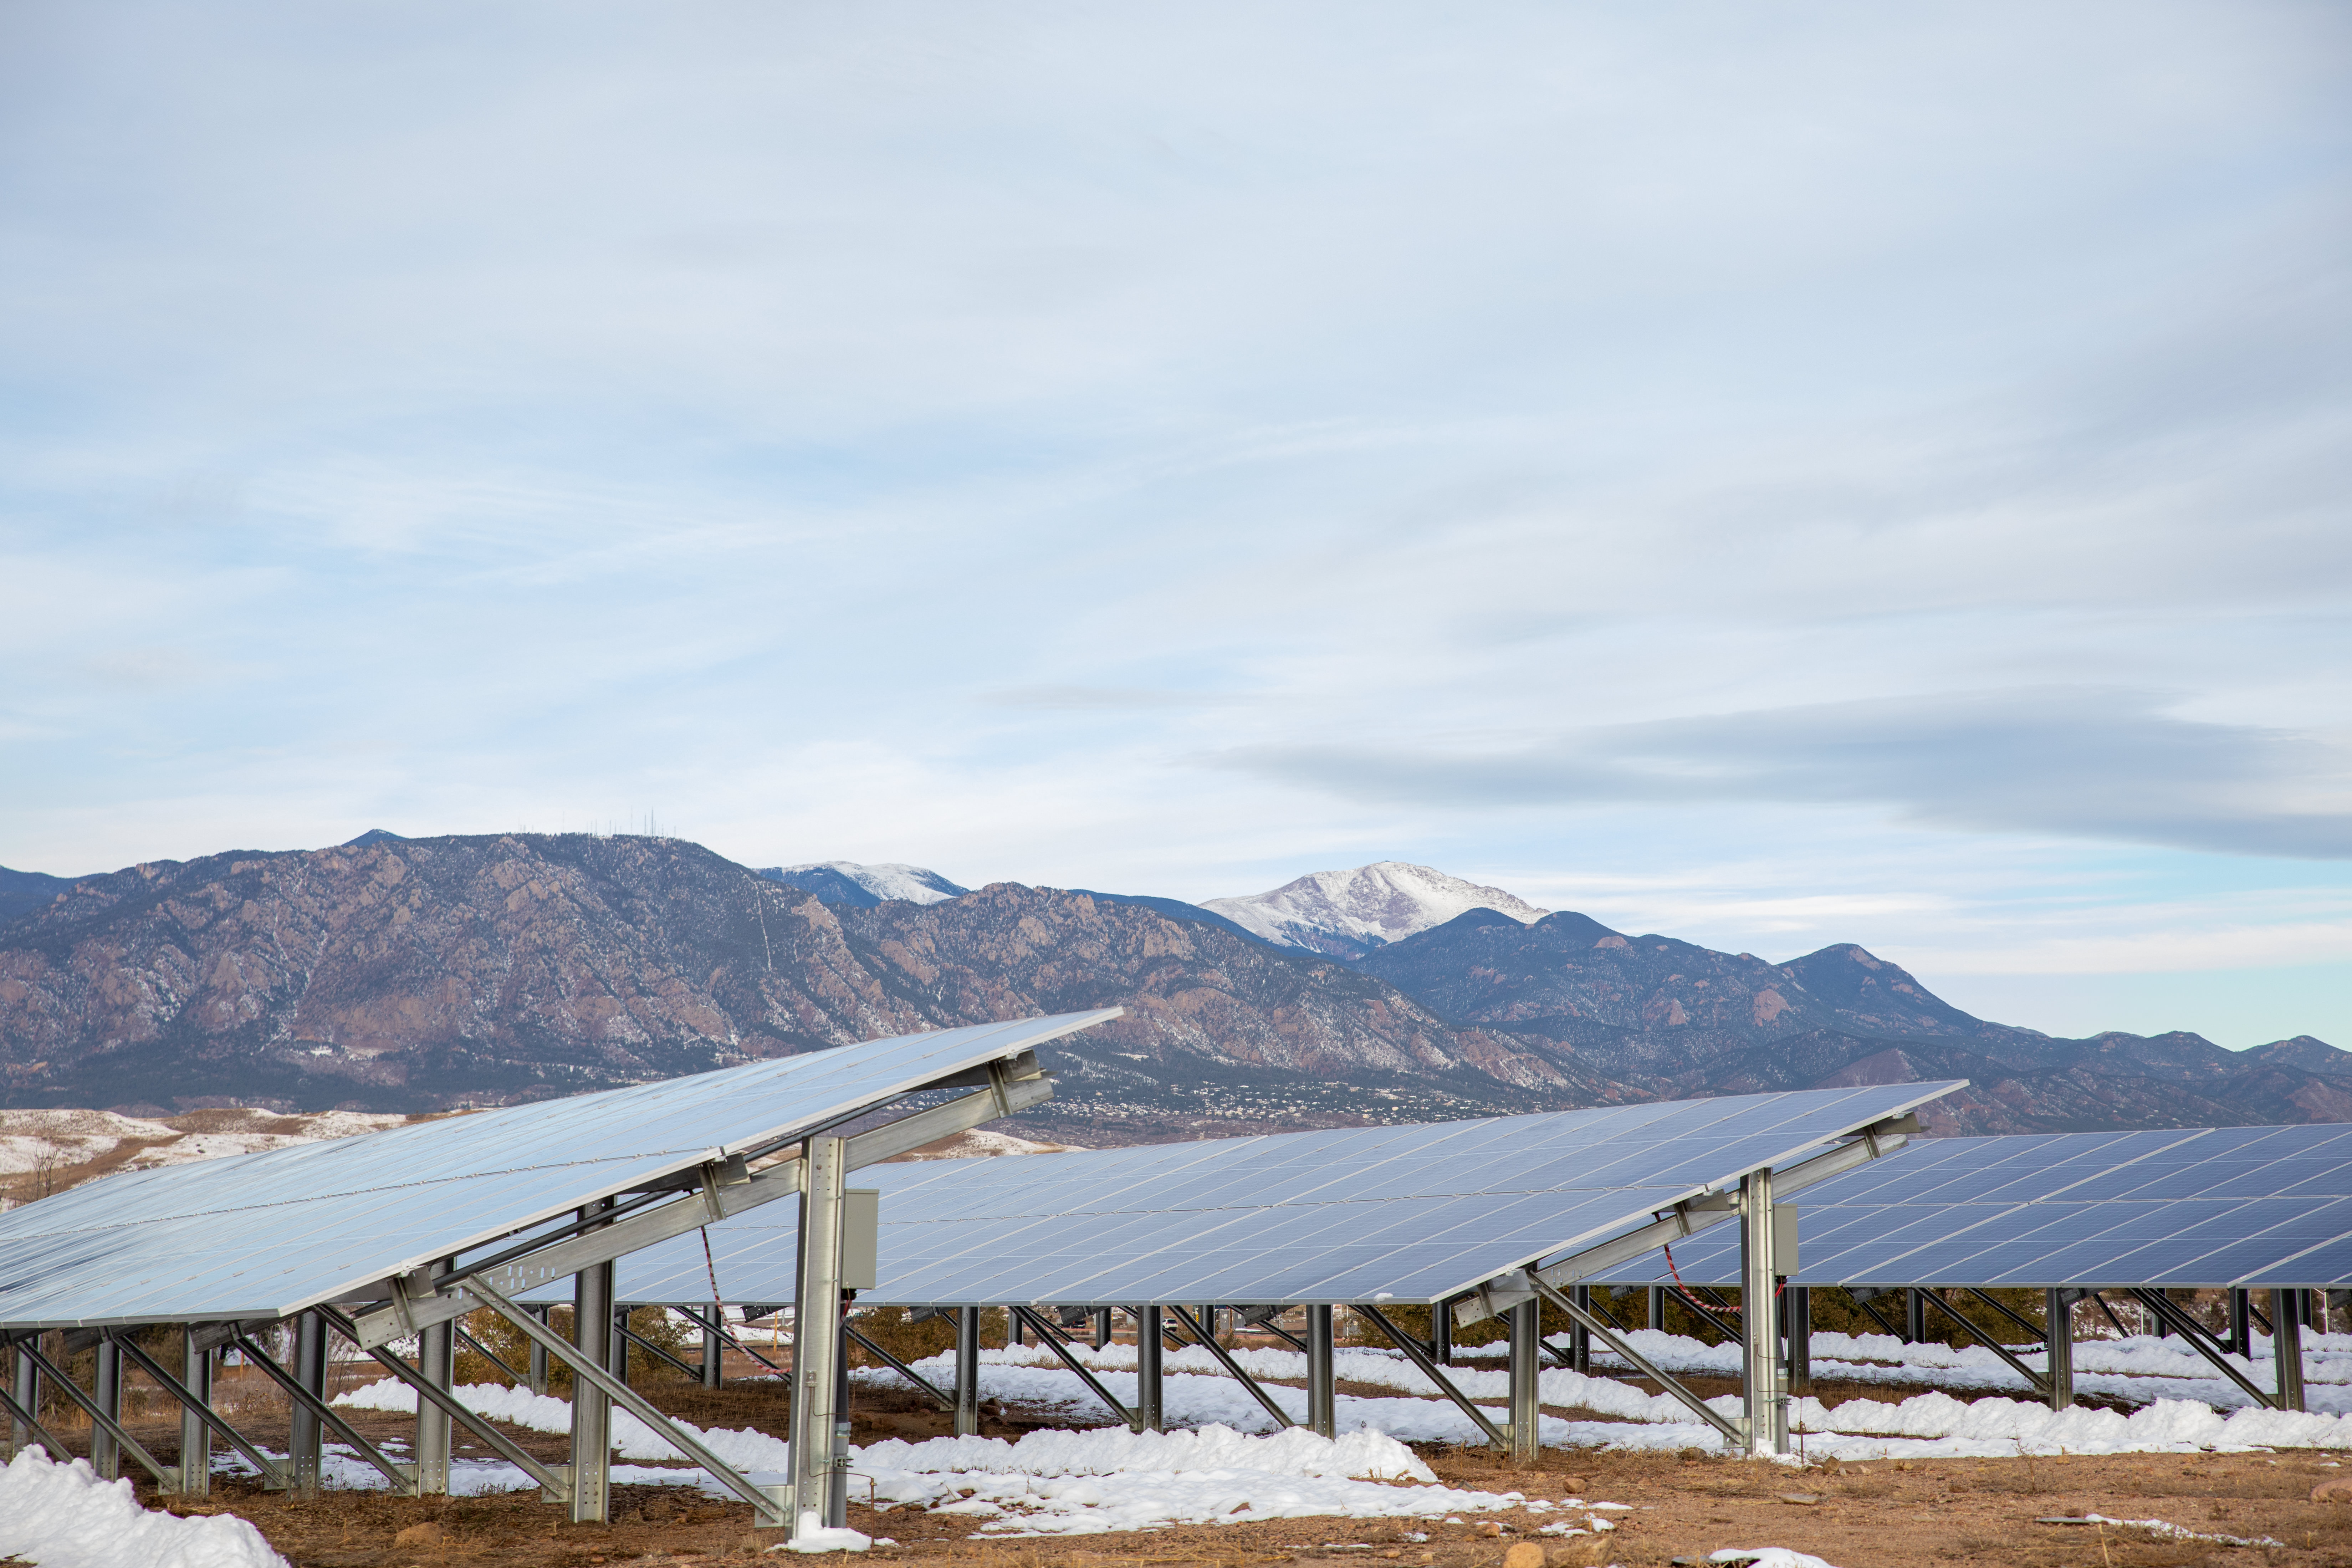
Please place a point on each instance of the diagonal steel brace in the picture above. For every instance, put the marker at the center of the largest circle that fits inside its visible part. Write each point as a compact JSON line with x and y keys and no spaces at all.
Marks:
{"x":1733,"y":1432}
{"x":164,"y":1474}
{"x":558,"y":1489}
{"x":902,"y":1369}
{"x":1225,"y":1358}
{"x":1418,"y":1354}
{"x":1086,"y":1373}
{"x":273,"y":1478}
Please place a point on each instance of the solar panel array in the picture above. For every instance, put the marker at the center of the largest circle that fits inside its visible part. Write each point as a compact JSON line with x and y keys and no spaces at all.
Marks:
{"x":2243,"y":1206}
{"x":263,"y":1234}
{"x":1350,"y":1215}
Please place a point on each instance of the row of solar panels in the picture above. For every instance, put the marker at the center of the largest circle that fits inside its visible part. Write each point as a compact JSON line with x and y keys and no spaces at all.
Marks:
{"x":1412,"y":1213}
{"x":1359,"y":1215}
{"x":1296,"y":1217}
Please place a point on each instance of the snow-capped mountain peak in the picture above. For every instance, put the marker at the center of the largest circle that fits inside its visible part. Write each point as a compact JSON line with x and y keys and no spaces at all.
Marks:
{"x":847,"y":882}
{"x":1347,"y":914}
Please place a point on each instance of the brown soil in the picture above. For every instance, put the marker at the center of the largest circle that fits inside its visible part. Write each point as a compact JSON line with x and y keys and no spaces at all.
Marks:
{"x":1904,"y":1514}
{"x":1867,"y":1516}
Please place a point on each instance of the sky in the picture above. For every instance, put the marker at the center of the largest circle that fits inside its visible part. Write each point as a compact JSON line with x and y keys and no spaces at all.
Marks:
{"x":1774,"y":475}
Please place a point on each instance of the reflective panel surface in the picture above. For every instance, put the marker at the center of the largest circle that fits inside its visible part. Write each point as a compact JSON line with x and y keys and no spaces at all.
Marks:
{"x":2198,"y":1207}
{"x":1359,"y":1213}
{"x":259,"y":1236}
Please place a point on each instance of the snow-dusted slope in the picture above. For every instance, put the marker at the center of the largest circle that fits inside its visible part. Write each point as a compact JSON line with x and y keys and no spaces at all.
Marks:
{"x":1348,"y":913}
{"x":847,"y":882}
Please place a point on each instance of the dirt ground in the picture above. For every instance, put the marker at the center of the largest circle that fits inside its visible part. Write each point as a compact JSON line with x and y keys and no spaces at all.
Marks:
{"x":1884,"y":1514}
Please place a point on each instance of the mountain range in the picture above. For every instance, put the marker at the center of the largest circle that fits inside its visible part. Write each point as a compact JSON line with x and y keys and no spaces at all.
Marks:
{"x":400,"y":974}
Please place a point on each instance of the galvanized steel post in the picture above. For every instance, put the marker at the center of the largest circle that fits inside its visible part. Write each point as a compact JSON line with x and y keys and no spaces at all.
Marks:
{"x":310,"y":1370}
{"x":1914,"y":1315}
{"x":1797,"y":1311}
{"x":196,"y":1437}
{"x":437,"y":1359}
{"x":26,"y":1386}
{"x":105,"y":1455}
{"x":592,"y":1407}
{"x":1148,"y":1344}
{"x":1526,"y":1361}
{"x":1580,"y":1338}
{"x":539,"y":1354}
{"x":2058,"y":1343}
{"x":1765,"y":1394}
{"x":1657,"y":1306}
{"x":1441,"y":1334}
{"x":2286,"y":1347}
{"x":714,"y":1372}
{"x":967,"y":1372}
{"x":817,"y":1333}
{"x":1322,"y":1401}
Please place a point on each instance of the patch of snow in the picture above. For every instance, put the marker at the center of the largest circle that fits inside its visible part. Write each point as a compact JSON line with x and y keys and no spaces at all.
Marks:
{"x":810,"y":1536}
{"x":1351,"y":913}
{"x":887,"y":881}
{"x":745,"y":1449}
{"x":63,"y":1516}
{"x":1768,"y":1557}
{"x":1086,"y":1483}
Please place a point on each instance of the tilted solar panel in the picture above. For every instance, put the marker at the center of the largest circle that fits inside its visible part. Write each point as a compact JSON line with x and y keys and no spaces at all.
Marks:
{"x":264,"y":1235}
{"x":2250,"y":1207}
{"x":1349,"y":1214}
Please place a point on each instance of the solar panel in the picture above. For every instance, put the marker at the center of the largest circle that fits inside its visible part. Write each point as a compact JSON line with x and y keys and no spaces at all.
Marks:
{"x":2250,"y":1207}
{"x":1349,"y":1214}
{"x":269,"y":1234}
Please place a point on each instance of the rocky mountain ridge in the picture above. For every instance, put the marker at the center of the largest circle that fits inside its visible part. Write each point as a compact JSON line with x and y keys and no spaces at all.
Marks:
{"x":417,"y":975}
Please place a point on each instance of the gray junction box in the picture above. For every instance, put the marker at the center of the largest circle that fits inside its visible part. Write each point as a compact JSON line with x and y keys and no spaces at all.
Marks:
{"x":861,"y":1238}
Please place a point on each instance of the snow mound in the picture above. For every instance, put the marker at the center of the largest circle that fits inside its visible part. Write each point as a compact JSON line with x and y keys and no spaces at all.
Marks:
{"x":745,"y":1449}
{"x":1088,"y":1483}
{"x":63,"y":1516}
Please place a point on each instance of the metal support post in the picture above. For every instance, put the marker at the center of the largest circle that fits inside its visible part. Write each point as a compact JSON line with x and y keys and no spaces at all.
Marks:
{"x":308,"y":1449}
{"x":1797,"y":1308}
{"x":1102,"y":1327}
{"x":1149,"y":1346}
{"x":2286,"y":1347}
{"x":836,"y":1505}
{"x":714,"y":1372}
{"x":1915,"y":1316}
{"x":436,"y":1358}
{"x":1441,"y":1334}
{"x":1657,"y":1307}
{"x":592,"y":1407}
{"x":27,"y":1381}
{"x":2058,"y":1345}
{"x":1013,"y":1328}
{"x":967,"y":1372}
{"x":618,"y":1359}
{"x":1527,"y":1363}
{"x":2242,"y":1327}
{"x":196,"y":1437}
{"x":816,"y":1333}
{"x":1765,"y":1397}
{"x":1322,"y":1400}
{"x":539,"y":1355}
{"x":105,"y":1454}
{"x":1580,"y":1338}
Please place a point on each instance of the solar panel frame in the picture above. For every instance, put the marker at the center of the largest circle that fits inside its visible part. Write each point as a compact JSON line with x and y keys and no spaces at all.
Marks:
{"x":1349,"y":1214}
{"x":2249,"y":1208}
{"x":265,"y":1235}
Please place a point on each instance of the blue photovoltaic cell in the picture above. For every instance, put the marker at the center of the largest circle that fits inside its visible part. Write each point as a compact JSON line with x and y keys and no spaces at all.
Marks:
{"x":260,"y":1235}
{"x":2250,"y":1207}
{"x":1350,"y":1215}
